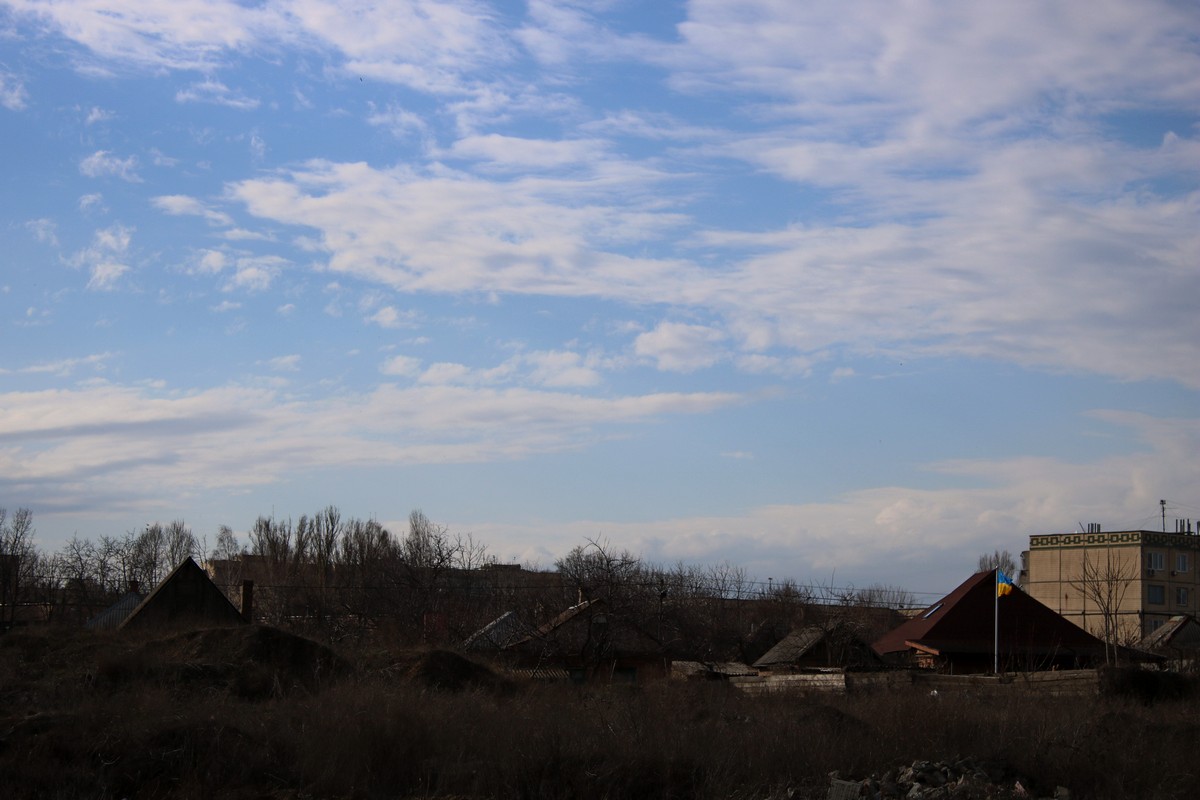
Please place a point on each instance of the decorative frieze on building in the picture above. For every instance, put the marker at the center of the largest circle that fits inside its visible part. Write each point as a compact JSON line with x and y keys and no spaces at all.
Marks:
{"x":1109,"y":539}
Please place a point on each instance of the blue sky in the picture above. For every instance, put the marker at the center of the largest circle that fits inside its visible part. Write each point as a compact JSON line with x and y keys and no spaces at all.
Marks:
{"x":847,"y":292}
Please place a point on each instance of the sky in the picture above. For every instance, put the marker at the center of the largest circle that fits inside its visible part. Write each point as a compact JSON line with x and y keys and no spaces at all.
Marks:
{"x":843,"y":292}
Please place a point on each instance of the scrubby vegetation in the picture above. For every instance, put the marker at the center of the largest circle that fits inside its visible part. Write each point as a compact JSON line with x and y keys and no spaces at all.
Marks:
{"x":255,"y":712}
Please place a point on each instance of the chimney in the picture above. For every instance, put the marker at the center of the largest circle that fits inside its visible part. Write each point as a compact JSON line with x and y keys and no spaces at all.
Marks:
{"x":248,"y":600}
{"x":133,"y":587}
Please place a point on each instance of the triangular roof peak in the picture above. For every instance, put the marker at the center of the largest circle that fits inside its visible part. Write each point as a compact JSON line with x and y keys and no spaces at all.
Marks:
{"x":185,"y":598}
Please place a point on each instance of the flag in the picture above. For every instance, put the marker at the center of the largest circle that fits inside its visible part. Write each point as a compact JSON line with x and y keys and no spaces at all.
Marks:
{"x":1004,"y":584}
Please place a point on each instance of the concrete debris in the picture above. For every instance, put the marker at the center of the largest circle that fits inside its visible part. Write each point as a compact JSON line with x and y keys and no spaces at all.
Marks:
{"x":962,"y":779}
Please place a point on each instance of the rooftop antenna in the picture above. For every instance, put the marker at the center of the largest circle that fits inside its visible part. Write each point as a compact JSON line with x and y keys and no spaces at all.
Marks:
{"x":1163,"y":503}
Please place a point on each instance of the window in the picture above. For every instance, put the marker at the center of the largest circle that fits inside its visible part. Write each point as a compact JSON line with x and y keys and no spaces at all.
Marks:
{"x":1155,"y":561}
{"x":1181,"y":596}
{"x":1181,"y":562}
{"x":1155,"y":595}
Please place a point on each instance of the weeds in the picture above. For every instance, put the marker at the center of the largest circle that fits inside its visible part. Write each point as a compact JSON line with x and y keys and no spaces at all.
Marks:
{"x":142,"y":728}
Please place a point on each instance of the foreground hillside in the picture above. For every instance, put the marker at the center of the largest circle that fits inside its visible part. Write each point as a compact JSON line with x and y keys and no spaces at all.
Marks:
{"x":255,"y":712}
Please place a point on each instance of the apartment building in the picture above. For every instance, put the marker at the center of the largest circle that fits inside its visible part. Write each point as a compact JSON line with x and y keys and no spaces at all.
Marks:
{"x":1136,"y":579}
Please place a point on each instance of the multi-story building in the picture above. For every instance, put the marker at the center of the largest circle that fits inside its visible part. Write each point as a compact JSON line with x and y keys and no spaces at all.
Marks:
{"x":1126,"y":582}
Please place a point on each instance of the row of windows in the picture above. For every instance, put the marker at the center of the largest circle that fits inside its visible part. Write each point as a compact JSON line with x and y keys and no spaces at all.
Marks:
{"x":1158,"y":561}
{"x":1156,"y":594}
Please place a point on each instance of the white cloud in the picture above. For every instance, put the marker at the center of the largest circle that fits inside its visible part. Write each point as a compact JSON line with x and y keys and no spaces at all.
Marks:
{"x":679,"y":347}
{"x":185,"y":34}
{"x":254,"y":273}
{"x":560,"y":369}
{"x":44,"y":230}
{"x":210,"y":262}
{"x":428,"y":233}
{"x":288,"y":363}
{"x":180,"y":205}
{"x":103,"y":443}
{"x":12,"y":92}
{"x":96,"y":114}
{"x":66,"y":367}
{"x":425,"y":44}
{"x":390,"y":317}
{"x":401,"y":365}
{"x":89,"y":201}
{"x":905,"y":535}
{"x":102,"y":164}
{"x":106,"y":274}
{"x":518,"y":153}
{"x":217,"y":93}
{"x":105,"y":258}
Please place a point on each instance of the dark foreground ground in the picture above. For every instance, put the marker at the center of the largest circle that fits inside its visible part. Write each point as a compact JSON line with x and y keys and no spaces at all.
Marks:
{"x":254,"y":712}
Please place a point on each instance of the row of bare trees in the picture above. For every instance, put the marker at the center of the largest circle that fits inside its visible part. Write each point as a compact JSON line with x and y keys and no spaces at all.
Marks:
{"x":717,"y":612}
{"x":336,"y":576}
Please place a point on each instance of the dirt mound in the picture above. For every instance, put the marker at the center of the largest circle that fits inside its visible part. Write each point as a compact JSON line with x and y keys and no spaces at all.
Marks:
{"x":448,"y":671}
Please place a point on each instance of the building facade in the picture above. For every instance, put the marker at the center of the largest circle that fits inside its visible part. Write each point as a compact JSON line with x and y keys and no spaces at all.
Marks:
{"x":1126,"y":582}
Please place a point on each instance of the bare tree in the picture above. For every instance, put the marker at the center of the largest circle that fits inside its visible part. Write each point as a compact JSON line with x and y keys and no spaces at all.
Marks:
{"x":1002,"y":559}
{"x":227,"y":547}
{"x":179,"y":543}
{"x":18,"y":558}
{"x":1104,"y":583}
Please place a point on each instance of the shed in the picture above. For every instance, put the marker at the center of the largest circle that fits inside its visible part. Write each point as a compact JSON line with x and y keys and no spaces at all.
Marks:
{"x":820,"y":647}
{"x":1178,"y":640}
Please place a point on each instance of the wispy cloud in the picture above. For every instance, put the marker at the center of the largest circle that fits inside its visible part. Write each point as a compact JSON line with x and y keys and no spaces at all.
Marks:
{"x":66,"y":367}
{"x":235,"y":436}
{"x":12,"y":92}
{"x":105,"y":259}
{"x":103,"y":164}
{"x":217,"y":93}
{"x":178,"y":204}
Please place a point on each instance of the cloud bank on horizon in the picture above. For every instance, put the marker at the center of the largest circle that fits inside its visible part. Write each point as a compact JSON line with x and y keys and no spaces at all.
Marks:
{"x":860,"y":289}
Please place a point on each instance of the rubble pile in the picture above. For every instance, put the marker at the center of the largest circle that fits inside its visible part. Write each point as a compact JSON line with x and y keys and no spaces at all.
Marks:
{"x":963,"y":779}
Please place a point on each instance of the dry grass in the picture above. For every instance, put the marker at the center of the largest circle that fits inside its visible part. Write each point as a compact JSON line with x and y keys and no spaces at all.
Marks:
{"x":106,"y":717}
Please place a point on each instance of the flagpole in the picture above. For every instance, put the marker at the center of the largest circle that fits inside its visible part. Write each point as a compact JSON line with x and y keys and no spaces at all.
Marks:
{"x":996,"y":624}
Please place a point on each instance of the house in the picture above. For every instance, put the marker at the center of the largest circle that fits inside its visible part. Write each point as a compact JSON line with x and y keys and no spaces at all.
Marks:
{"x":1130,"y":582}
{"x":500,"y":633}
{"x":1177,"y":640}
{"x":112,"y":617}
{"x":959,"y":634}
{"x":587,"y":642}
{"x":819,"y":647}
{"x":185,"y":598}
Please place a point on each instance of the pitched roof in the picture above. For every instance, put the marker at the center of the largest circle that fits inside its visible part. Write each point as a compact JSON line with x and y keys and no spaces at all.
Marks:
{"x":963,"y":622}
{"x":112,"y":617}
{"x":185,"y":597}
{"x":792,"y":647}
{"x":505,"y":630}
{"x":842,"y":647}
{"x":1181,"y":632}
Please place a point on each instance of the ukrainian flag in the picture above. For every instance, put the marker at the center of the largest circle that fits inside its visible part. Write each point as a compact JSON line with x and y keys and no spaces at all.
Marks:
{"x":1004,"y":584}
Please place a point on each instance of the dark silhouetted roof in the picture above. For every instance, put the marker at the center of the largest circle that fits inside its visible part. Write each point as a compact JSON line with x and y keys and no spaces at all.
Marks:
{"x":112,"y":617}
{"x":186,"y":597}
{"x":1180,"y":632}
